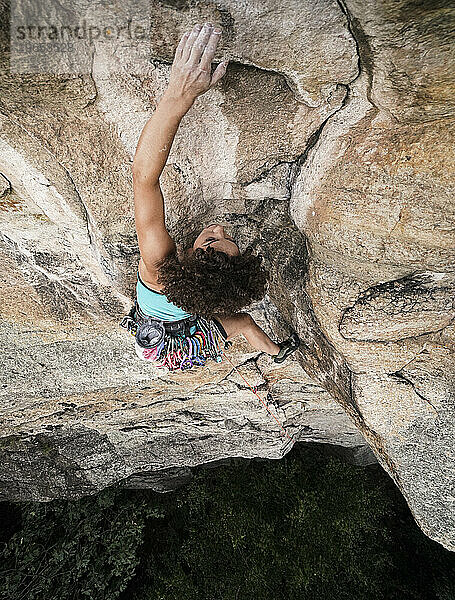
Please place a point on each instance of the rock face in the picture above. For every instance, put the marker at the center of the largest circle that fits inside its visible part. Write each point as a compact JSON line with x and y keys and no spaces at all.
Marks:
{"x":328,"y":146}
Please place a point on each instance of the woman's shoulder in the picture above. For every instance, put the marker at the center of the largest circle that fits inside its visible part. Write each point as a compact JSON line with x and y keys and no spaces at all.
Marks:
{"x":149,"y":278}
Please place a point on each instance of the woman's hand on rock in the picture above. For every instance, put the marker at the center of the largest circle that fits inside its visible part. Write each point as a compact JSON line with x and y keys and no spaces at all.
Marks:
{"x":191,"y":70}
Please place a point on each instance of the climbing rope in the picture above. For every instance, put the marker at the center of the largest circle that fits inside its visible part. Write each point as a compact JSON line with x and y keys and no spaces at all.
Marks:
{"x":291,"y":438}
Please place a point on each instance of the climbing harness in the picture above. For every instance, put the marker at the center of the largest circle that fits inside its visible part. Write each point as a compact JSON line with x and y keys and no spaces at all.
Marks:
{"x":182,"y":345}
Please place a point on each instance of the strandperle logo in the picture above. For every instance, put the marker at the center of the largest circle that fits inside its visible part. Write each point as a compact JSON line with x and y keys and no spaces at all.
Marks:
{"x":67,"y":33}
{"x":54,"y":36}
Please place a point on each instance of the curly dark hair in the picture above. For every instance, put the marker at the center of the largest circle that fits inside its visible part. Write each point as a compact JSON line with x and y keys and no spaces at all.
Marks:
{"x":210,"y":282}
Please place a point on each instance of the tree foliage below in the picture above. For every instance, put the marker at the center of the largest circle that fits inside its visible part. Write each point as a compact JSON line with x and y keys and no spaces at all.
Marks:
{"x":308,"y":526}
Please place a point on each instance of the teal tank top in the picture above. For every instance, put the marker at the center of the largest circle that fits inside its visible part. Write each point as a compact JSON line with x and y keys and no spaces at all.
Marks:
{"x":155,"y":304}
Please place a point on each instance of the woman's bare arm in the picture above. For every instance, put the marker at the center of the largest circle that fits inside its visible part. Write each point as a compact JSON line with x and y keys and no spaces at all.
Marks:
{"x":190,"y":77}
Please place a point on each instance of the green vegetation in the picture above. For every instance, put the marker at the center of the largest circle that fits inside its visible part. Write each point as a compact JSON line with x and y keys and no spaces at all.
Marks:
{"x":309,"y":526}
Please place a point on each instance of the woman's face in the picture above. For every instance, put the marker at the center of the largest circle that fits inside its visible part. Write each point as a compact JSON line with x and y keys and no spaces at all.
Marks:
{"x":215,"y":236}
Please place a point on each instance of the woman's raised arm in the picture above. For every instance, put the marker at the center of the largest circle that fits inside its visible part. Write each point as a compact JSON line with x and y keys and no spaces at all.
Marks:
{"x":190,"y":77}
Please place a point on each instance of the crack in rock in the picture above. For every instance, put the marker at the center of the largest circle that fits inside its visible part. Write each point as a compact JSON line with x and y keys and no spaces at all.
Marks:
{"x":401,"y":377}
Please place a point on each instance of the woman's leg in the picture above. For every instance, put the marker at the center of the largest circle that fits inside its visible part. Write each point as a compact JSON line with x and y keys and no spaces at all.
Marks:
{"x":243,"y":323}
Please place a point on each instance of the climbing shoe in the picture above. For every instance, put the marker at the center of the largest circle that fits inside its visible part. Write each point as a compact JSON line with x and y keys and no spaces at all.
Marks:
{"x":287,"y":347}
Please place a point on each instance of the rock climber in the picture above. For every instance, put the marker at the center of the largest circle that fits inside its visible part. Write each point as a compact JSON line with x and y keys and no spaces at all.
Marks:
{"x":206,"y":286}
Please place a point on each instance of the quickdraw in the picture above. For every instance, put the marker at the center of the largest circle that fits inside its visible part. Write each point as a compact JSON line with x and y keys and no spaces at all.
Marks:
{"x":291,"y":437}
